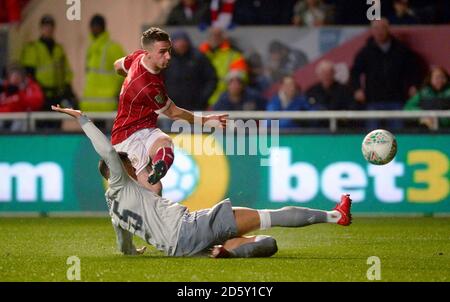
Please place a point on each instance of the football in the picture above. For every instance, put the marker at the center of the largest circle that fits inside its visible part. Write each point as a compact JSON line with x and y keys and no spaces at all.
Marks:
{"x":379,"y":147}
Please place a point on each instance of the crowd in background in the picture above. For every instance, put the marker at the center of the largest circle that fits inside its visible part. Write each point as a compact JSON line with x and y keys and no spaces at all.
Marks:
{"x":216,"y":75}
{"x":305,"y":12}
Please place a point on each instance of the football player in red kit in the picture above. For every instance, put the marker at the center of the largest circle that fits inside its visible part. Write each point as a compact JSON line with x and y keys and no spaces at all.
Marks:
{"x":142,"y":98}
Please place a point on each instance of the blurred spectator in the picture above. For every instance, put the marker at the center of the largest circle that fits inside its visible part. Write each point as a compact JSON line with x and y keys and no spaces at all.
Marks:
{"x":257,"y":79}
{"x":328,"y":94}
{"x":442,"y":15}
{"x":312,"y":13}
{"x":19,"y":93}
{"x":221,"y":13}
{"x":238,"y":96}
{"x":224,"y":59}
{"x":283,"y":60}
{"x":102,"y":84}
{"x":46,"y":61}
{"x":288,"y":98}
{"x":390,"y":73}
{"x":432,"y":12}
{"x":263,"y":12}
{"x":435,"y":95}
{"x":351,"y":12}
{"x":190,"y":78}
{"x":345,"y":12}
{"x":189,"y":12}
{"x":403,"y":14}
{"x":11,"y":10}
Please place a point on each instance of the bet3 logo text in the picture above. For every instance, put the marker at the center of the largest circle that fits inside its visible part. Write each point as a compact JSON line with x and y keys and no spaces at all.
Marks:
{"x":301,"y":181}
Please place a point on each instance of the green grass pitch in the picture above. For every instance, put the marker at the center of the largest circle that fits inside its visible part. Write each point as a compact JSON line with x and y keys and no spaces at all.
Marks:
{"x":410,"y":249}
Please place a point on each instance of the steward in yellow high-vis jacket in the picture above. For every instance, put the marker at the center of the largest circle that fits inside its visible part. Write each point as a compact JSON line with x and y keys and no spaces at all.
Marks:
{"x":224,"y":58}
{"x":46,"y":61}
{"x":102,"y":84}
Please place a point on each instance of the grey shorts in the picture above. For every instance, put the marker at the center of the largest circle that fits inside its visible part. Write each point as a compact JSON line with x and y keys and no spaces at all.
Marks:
{"x":203,"y":229}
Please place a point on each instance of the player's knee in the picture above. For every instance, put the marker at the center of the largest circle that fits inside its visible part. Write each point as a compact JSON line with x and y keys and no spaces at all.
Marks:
{"x":165,"y":141}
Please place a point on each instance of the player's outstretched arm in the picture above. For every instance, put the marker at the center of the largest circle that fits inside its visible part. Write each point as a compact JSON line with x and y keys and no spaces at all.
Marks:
{"x":176,"y":113}
{"x":100,"y":142}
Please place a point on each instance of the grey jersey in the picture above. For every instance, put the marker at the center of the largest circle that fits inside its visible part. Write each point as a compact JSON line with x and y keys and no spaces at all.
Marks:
{"x":134,"y":209}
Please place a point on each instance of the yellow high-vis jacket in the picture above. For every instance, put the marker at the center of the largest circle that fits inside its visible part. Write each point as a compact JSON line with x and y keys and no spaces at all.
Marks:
{"x":51,"y":70}
{"x":102,"y":84}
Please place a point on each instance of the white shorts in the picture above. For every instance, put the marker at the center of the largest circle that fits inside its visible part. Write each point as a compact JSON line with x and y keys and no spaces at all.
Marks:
{"x":137,"y":146}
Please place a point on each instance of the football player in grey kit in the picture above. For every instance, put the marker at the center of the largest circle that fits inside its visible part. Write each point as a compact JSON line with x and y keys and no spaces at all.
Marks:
{"x":171,"y":228}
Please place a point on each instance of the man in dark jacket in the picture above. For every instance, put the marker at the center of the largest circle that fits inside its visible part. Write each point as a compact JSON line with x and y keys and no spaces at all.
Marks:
{"x":329,"y":94}
{"x":190,"y":12}
{"x":390,"y":72}
{"x":190,"y":78}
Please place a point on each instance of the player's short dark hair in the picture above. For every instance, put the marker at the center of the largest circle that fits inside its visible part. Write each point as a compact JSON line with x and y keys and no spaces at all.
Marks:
{"x":103,"y":167}
{"x":152,"y":35}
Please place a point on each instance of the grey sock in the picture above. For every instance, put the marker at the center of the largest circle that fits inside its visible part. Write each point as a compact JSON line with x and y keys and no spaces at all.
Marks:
{"x":263,"y":248}
{"x":296,"y":217}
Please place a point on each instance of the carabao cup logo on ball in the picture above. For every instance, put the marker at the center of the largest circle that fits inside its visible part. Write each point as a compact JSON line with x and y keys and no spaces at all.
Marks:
{"x":379,"y":147}
{"x":182,"y":178}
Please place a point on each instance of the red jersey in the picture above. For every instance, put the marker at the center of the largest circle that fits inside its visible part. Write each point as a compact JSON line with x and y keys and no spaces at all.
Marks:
{"x":27,"y":98}
{"x":142,"y":98}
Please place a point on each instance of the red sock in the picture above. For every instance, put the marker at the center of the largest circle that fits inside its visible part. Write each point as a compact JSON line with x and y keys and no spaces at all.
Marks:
{"x":166,"y":155}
